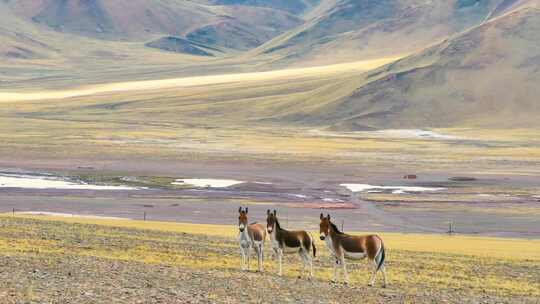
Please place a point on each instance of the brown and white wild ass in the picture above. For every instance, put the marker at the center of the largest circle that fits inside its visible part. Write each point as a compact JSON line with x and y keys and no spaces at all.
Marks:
{"x":251,"y":236}
{"x":343,"y":246}
{"x":284,"y":241}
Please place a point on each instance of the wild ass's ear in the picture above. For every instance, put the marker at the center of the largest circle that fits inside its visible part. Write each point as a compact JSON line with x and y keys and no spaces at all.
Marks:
{"x":240,"y":209}
{"x":328,"y":216}
{"x":268,"y":212}
{"x":275,"y":212}
{"x":246,"y":210}
{"x":322,"y":216}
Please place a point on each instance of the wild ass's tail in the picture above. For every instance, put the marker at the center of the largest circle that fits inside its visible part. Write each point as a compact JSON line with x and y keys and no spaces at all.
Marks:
{"x":380,"y":257}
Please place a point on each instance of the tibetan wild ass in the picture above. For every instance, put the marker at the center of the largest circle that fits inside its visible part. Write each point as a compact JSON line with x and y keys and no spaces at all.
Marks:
{"x":343,"y":246}
{"x":284,"y":241}
{"x":251,"y":236}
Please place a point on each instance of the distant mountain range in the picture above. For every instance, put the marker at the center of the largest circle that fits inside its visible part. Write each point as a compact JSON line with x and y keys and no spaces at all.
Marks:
{"x":465,"y":62}
{"x":234,"y":27}
{"x":287,"y":31}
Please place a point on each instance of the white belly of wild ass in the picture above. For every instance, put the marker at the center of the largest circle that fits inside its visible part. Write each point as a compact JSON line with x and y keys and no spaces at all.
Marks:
{"x":354,"y":255}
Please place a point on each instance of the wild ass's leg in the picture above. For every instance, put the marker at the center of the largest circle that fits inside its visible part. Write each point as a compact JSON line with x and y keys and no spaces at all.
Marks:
{"x":310,"y":262}
{"x":307,"y":261}
{"x":280,"y":257}
{"x":374,"y":274}
{"x":243,"y":259}
{"x":343,"y":264}
{"x":261,"y":250}
{"x":304,"y":254}
{"x":262,"y":255}
{"x":303,"y":258}
{"x":384,"y":276}
{"x":336,"y":263}
{"x":272,"y":253}
{"x":258,"y":252}
{"x":248,"y":256}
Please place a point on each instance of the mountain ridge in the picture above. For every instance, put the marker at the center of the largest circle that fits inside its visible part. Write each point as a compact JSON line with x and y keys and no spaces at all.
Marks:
{"x":364,"y":29}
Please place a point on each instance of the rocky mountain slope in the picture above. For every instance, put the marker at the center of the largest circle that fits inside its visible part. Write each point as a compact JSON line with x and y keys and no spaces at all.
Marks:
{"x":487,"y":76}
{"x":347,"y":30}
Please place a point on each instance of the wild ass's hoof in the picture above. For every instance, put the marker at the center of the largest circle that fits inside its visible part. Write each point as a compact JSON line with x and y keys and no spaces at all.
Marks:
{"x":384,"y":286}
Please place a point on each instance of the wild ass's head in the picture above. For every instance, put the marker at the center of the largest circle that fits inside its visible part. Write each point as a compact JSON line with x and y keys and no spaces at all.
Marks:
{"x":271,"y":220}
{"x":324,"y":226}
{"x":242,"y":219}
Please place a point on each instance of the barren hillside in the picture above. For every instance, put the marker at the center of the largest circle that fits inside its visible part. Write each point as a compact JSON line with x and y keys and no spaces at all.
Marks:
{"x":486,"y":77}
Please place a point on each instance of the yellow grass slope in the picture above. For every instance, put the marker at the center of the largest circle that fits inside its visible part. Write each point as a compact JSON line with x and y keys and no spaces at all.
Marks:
{"x":490,"y":247}
{"x":150,"y":85}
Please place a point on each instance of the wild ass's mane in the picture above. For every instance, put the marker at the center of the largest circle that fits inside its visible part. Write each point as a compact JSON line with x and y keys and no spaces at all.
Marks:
{"x":278,"y":226}
{"x":335,"y":228}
